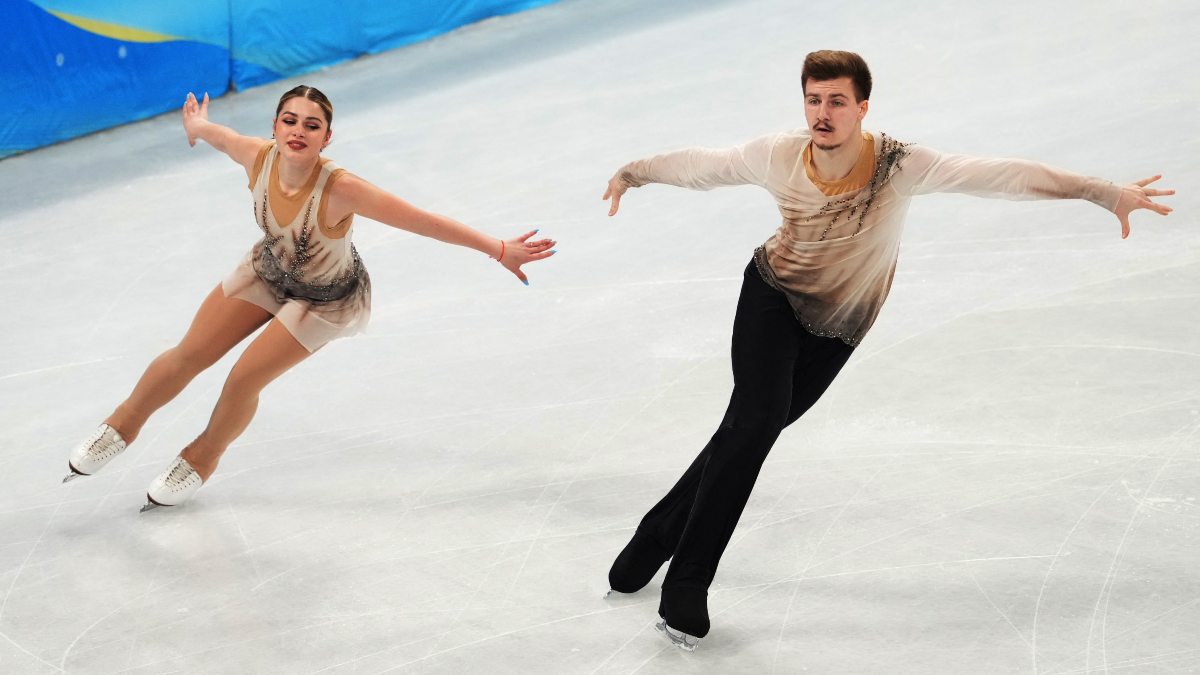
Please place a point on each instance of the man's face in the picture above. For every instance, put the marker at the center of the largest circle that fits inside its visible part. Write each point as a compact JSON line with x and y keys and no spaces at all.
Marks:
{"x":833,"y":112}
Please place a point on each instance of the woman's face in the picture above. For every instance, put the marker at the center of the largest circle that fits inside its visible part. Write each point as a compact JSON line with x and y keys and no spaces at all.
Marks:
{"x":300,"y":129}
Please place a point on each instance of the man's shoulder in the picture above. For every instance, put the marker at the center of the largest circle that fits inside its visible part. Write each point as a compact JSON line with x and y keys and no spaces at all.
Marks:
{"x":884,"y":139}
{"x":890,"y":150}
{"x":799,"y":135}
{"x":784,"y":142}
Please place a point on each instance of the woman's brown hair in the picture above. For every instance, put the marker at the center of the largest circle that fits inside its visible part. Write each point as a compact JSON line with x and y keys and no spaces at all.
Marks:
{"x":311,"y":93}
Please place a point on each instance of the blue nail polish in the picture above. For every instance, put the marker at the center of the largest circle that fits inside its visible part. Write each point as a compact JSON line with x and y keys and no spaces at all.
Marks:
{"x":536,"y":231}
{"x":554,"y":251}
{"x":525,"y":282}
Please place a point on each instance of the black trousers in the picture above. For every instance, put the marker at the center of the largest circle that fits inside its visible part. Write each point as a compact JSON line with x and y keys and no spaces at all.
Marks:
{"x":779,"y":372}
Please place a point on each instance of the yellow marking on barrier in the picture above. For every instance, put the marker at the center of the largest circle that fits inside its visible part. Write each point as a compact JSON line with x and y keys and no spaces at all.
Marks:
{"x":112,"y":30}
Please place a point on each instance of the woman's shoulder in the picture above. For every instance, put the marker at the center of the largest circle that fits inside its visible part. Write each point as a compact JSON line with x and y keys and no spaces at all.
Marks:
{"x":259,"y":160}
{"x":339,"y":178}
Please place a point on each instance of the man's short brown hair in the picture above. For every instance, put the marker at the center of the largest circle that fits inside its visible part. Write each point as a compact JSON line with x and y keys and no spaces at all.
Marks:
{"x":829,"y":64}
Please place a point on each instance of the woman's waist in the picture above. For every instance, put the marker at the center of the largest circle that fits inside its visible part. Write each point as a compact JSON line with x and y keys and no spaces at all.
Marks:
{"x":304,"y":279}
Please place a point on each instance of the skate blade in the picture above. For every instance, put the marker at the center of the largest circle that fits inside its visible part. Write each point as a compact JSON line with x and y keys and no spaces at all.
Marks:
{"x":687,"y":643}
{"x":74,"y":473}
{"x":148,"y":506}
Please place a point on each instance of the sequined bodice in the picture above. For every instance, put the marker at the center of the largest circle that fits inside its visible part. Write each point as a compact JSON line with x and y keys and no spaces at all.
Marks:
{"x":299,"y":258}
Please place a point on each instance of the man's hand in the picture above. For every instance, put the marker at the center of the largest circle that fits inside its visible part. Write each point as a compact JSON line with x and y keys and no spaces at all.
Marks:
{"x":1137,"y":196}
{"x":616,"y":188}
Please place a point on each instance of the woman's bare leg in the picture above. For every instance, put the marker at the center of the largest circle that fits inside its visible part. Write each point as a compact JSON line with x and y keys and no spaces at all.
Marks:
{"x":219,"y":324}
{"x":270,"y":355}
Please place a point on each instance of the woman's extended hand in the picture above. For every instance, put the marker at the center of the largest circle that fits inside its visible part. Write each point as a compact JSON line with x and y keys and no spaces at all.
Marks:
{"x":1137,"y":196}
{"x":195,"y":114}
{"x":517,"y":251}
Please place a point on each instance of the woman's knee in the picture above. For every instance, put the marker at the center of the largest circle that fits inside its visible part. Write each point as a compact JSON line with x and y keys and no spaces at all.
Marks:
{"x":242,"y":382}
{"x":191,"y":359}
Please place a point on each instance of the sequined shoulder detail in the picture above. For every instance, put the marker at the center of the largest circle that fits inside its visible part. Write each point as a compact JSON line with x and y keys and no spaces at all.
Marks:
{"x":858,"y":204}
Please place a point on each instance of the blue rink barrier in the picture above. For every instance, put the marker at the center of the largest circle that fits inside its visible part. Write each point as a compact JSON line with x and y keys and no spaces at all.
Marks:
{"x":72,"y":67}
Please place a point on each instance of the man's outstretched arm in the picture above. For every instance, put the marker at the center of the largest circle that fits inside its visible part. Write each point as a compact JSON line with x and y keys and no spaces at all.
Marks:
{"x":695,"y":168}
{"x":929,"y":171}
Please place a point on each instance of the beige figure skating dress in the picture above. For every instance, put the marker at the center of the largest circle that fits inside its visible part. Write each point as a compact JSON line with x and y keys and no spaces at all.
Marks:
{"x":304,"y":270}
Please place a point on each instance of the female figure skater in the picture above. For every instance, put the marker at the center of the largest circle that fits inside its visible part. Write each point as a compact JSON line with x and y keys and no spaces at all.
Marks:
{"x":304,"y":279}
{"x":808,"y":297}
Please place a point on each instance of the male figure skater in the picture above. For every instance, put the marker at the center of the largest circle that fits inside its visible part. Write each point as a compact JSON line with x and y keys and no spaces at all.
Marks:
{"x":809,"y":295}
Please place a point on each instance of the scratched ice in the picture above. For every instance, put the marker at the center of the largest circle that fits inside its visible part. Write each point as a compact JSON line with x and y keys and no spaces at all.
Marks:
{"x":1003,"y":480}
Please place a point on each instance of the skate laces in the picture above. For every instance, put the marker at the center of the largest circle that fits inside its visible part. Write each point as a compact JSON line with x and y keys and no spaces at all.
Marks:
{"x":95,"y":438}
{"x":101,"y":443}
{"x":180,"y":474}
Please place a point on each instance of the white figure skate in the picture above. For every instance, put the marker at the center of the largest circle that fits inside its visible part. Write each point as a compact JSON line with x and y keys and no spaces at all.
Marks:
{"x":99,"y":449}
{"x":174,"y":486}
{"x":678,"y":638}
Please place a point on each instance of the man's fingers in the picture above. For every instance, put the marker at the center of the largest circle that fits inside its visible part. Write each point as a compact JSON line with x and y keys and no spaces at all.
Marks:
{"x":1124,"y":225}
{"x":616,"y":204}
{"x":1149,"y":204}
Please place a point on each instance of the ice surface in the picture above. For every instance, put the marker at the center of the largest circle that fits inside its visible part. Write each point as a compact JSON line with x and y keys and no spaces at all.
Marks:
{"x":1003,"y":480}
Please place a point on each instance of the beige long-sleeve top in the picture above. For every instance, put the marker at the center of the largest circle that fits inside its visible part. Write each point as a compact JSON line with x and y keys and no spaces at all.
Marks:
{"x":834,"y":257}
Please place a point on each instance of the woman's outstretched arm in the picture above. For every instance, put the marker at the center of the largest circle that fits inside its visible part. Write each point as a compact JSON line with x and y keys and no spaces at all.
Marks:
{"x":241,"y":149}
{"x":353,"y":194}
